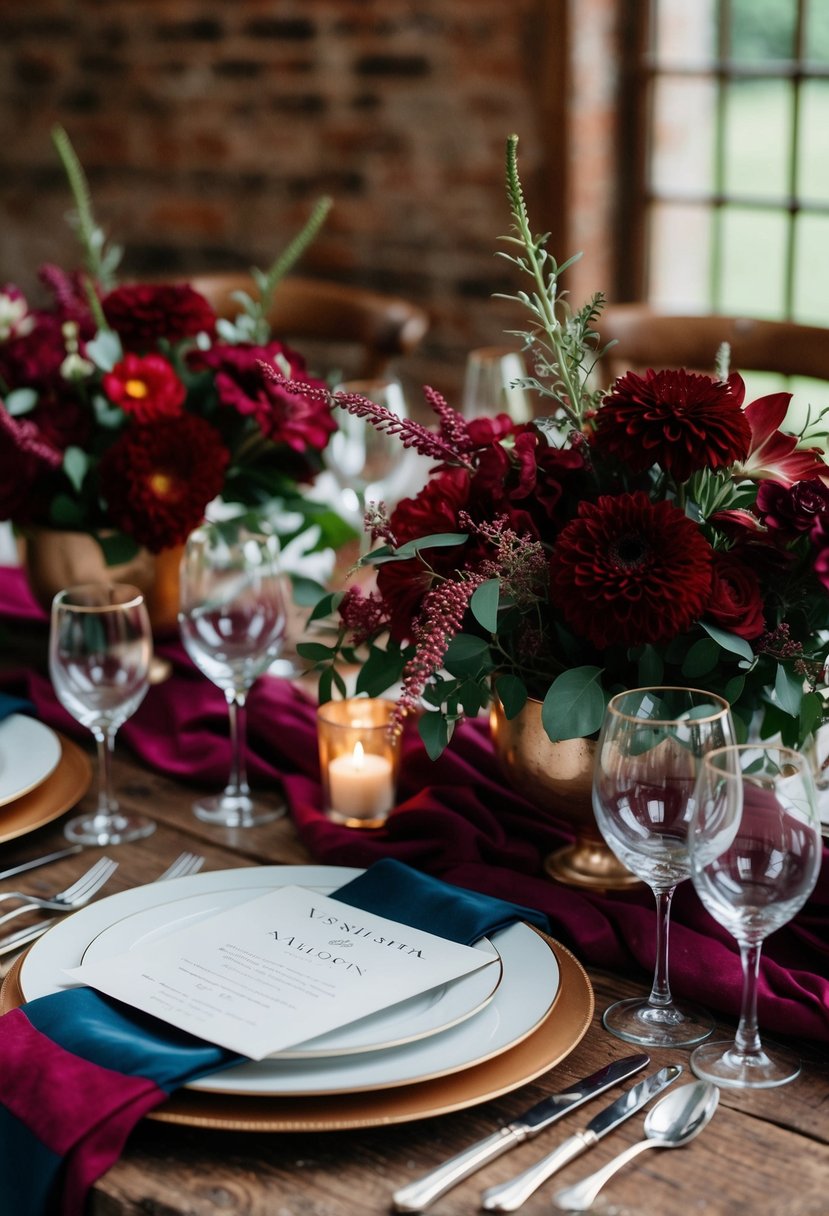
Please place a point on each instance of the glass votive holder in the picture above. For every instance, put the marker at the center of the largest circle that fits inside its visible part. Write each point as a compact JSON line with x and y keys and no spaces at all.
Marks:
{"x":359,"y":760}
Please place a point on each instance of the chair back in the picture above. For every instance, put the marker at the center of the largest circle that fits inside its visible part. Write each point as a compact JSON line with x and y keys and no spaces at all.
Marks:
{"x":645,"y":338}
{"x":322,"y":316}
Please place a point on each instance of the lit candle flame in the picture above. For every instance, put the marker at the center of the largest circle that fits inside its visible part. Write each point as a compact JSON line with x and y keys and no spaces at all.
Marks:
{"x":358,"y":759}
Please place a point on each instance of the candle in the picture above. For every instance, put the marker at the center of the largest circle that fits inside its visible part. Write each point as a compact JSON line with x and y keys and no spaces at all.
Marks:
{"x":361,"y":784}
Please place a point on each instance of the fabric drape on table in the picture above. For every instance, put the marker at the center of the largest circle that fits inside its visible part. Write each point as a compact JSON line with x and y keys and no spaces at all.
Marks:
{"x":458,"y":818}
{"x":78,"y":1070}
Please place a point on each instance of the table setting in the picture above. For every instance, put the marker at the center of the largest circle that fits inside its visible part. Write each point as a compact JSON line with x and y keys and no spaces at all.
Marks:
{"x":342,"y":827}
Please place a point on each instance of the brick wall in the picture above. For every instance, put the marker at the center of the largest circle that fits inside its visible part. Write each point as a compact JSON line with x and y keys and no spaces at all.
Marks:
{"x":207,"y":128}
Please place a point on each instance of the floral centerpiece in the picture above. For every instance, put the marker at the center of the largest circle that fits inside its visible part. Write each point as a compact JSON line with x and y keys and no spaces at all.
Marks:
{"x":125,"y":408}
{"x":659,"y":531}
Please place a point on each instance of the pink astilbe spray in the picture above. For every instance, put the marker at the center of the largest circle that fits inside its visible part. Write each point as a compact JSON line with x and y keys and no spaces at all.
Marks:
{"x":364,"y":616}
{"x":440,"y":618}
{"x":411,"y":434}
{"x":519,"y":561}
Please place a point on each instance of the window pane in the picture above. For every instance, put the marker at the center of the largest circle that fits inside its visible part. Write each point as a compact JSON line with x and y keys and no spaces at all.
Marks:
{"x":813,"y":153}
{"x":682,"y":155}
{"x":758,"y":119}
{"x":810,"y":399}
{"x":684,"y":33}
{"x":817,"y":30}
{"x":811,"y":293}
{"x":752,"y":278}
{"x":680,"y":258}
{"x":763,"y":29}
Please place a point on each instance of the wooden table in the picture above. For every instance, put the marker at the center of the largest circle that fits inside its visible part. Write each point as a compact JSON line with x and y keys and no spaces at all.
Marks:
{"x":765,"y":1154}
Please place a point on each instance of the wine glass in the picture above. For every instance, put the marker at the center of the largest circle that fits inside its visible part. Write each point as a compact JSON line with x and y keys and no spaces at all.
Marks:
{"x":649,"y":750}
{"x":100,"y":648}
{"x":232,"y":619}
{"x":363,"y":459}
{"x":491,"y":387}
{"x":755,"y":851}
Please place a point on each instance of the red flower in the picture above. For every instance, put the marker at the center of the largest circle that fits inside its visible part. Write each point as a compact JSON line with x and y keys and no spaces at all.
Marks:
{"x":629,"y":571}
{"x":157,"y":479}
{"x":774,"y":454}
{"x":146,"y":387}
{"x":143,"y":313}
{"x":793,"y":509}
{"x":677,"y":419}
{"x":736,"y":602}
{"x":288,"y":420}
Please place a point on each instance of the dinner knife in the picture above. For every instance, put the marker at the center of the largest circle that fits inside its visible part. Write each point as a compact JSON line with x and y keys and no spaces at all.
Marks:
{"x":23,"y":937}
{"x":418,"y":1195}
{"x":509,"y":1196}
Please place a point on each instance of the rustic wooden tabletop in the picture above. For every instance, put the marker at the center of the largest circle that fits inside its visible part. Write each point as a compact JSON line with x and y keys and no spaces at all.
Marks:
{"x":765,"y":1152}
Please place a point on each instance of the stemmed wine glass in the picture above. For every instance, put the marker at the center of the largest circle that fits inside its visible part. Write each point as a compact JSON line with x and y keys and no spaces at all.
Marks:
{"x":490,"y":384}
{"x":100,"y":648}
{"x":232,"y":619}
{"x":364,"y":460}
{"x":649,"y":750}
{"x":755,"y":850}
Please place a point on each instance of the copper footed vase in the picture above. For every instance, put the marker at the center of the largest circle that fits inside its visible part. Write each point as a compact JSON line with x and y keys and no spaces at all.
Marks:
{"x":558,"y":779}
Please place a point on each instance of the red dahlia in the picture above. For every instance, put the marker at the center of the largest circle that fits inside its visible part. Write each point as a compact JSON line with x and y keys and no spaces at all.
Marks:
{"x":157,"y":479}
{"x":143,"y":313}
{"x":146,"y":387}
{"x":677,"y":419}
{"x":628,"y":571}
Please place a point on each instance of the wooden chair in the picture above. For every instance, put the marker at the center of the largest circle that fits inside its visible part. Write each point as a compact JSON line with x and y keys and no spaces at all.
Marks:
{"x":364,"y":330}
{"x":645,"y":338}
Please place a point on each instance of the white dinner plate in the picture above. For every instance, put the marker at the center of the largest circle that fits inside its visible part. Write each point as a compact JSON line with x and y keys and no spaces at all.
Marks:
{"x":29,"y":752}
{"x":528,"y":988}
{"x":415,"y":1018}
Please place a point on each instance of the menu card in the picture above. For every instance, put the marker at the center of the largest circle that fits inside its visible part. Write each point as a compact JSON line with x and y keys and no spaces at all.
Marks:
{"x":270,"y":973}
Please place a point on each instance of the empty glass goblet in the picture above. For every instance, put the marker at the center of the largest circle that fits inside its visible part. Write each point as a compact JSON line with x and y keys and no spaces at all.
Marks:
{"x":491,"y":384}
{"x":755,"y":850}
{"x":364,"y":460}
{"x":232,"y":619}
{"x":100,"y":647}
{"x":647,"y":757}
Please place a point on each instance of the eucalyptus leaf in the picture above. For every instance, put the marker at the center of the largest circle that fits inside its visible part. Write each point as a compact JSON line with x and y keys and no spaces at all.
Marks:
{"x":701,"y":658}
{"x":117,"y":547}
{"x":381,"y":670}
{"x":306,"y":591}
{"x":466,"y":655}
{"x":574,"y":705}
{"x":788,"y":690}
{"x":105,"y":349}
{"x":20,"y":401}
{"x":651,"y":667}
{"x":326,"y":606}
{"x":729,"y":641}
{"x":484,"y":604}
{"x":512,"y":693}
{"x":75,"y":465}
{"x":434,"y":731}
{"x":315,"y":652}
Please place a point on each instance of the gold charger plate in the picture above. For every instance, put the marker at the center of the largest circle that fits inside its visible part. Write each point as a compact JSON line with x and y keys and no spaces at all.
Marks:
{"x":556,"y":1036}
{"x":64,"y":786}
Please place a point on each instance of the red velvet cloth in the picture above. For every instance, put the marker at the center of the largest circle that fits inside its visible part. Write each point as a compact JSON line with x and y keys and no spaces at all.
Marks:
{"x":458,"y":819}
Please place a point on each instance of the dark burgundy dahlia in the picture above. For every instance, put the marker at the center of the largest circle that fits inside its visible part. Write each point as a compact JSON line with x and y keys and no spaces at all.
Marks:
{"x":679,"y":420}
{"x":143,"y":313}
{"x":158,"y":478}
{"x":628,"y":571}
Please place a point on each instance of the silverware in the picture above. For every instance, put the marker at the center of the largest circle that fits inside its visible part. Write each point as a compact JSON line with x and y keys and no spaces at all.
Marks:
{"x":40,"y":861}
{"x":509,"y":1196}
{"x":675,"y":1120}
{"x":418,"y":1195}
{"x":75,"y":896}
{"x":185,"y":863}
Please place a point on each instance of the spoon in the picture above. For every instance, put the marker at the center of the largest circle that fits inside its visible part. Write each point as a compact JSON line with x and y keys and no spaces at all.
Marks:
{"x":675,"y":1120}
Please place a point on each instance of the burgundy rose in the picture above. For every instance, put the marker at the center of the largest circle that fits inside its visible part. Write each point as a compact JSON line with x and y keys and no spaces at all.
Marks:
{"x":145,"y":387}
{"x":679,"y":420}
{"x":157,"y":479}
{"x":143,"y":313}
{"x":793,"y":509}
{"x":628,"y":571}
{"x":736,"y":602}
{"x":33,"y":360}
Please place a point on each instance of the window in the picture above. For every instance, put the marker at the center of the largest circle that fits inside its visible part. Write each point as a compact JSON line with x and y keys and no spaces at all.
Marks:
{"x":734,"y":95}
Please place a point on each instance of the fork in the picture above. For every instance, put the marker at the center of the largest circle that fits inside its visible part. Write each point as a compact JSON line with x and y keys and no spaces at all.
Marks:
{"x":185,"y":863}
{"x":75,"y":896}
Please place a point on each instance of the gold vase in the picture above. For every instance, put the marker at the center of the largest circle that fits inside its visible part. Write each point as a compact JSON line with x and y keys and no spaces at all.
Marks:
{"x":558,"y":778}
{"x":55,"y":559}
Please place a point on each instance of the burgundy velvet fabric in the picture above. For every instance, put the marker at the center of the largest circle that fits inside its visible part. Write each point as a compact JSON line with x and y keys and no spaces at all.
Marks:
{"x":457,"y":818}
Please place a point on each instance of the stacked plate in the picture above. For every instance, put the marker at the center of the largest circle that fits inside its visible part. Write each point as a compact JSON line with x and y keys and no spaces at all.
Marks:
{"x":42,"y":774}
{"x":456,"y":1045}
